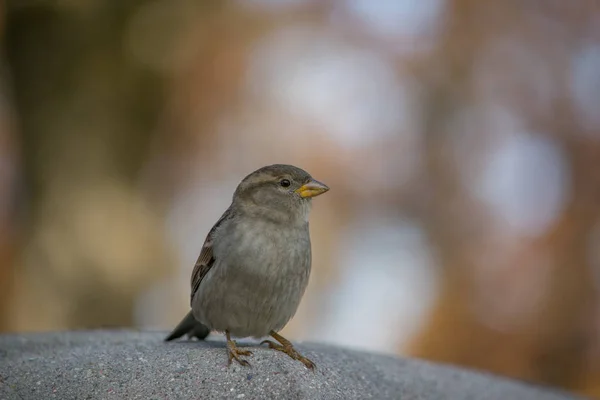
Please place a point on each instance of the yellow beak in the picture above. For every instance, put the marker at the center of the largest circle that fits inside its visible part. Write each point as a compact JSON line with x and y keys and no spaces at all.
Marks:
{"x":312,"y":189}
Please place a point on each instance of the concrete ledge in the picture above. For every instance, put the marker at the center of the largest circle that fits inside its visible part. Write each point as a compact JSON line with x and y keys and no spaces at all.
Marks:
{"x":139,"y":365}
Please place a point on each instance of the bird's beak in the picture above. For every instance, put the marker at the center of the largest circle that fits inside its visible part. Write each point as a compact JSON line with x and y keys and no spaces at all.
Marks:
{"x":312,"y":189}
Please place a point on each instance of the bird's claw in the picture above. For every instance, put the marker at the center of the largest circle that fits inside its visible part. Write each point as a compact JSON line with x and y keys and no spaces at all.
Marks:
{"x":307,"y":363}
{"x":234,"y":353}
{"x":290,"y":351}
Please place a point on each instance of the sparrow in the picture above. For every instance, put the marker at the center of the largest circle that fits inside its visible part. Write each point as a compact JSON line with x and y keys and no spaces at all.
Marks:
{"x":255,"y":263}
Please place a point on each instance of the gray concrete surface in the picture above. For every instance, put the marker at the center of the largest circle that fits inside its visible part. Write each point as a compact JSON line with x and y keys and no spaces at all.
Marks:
{"x":139,"y":365}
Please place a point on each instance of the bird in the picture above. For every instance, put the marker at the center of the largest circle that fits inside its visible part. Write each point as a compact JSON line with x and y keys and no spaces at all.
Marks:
{"x":255,"y":263}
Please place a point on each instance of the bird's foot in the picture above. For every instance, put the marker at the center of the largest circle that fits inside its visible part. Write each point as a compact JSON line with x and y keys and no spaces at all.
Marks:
{"x":288,"y":349}
{"x":234,"y":353}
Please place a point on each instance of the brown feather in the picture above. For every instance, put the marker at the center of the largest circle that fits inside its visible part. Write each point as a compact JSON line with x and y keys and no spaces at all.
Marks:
{"x":206,"y":259}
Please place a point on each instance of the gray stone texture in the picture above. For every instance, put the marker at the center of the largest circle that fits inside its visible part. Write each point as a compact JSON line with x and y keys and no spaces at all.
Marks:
{"x":139,"y":365}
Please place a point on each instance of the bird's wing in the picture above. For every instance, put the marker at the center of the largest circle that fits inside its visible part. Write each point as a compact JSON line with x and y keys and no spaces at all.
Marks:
{"x":206,"y":258}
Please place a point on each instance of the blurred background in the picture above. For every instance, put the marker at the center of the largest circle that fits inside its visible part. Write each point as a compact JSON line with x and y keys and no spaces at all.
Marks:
{"x":461,"y":140}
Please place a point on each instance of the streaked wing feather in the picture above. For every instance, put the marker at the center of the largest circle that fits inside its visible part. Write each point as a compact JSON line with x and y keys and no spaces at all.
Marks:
{"x":206,"y":258}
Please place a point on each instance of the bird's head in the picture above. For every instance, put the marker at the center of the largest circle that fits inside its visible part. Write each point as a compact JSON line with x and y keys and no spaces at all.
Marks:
{"x":278,"y":192}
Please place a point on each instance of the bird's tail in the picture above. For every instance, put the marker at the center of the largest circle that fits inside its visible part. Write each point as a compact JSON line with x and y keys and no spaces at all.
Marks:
{"x":190,"y":326}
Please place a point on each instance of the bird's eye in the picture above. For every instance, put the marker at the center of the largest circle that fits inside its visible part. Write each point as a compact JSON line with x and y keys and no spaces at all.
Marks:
{"x":285,"y":182}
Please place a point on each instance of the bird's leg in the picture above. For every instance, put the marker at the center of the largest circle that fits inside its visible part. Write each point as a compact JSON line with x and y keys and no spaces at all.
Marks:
{"x":234,"y":352}
{"x":285,"y":346}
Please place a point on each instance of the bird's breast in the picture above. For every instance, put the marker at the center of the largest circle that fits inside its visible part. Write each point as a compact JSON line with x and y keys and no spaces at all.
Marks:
{"x":259,"y":277}
{"x":269,"y":250}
